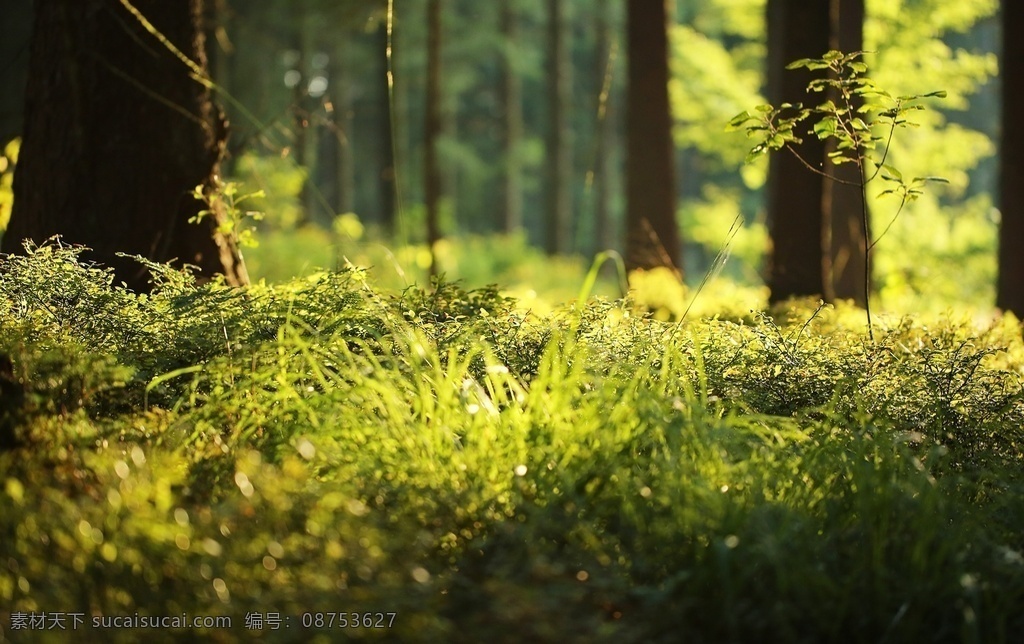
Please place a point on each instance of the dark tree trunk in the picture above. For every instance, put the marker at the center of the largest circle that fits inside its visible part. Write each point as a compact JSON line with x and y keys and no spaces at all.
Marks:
{"x":344,"y":158}
{"x":604,"y":234}
{"x":219,"y":49}
{"x":1010,"y":285}
{"x":117,"y":136}
{"x":796,"y":29}
{"x":559,"y":145}
{"x":15,"y":27}
{"x":843,"y":224}
{"x":388,"y":193}
{"x":652,"y":236}
{"x":302,"y":138}
{"x":512,"y":121}
{"x":432,"y":130}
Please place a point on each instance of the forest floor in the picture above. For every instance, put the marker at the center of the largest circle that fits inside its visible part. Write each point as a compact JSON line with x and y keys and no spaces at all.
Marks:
{"x":323,"y":459}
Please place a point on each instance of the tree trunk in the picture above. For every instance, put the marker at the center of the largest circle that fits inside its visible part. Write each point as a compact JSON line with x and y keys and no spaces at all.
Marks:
{"x":559,"y":145}
{"x":843,"y":223}
{"x":15,"y":28}
{"x":388,"y":194}
{"x":344,"y":160}
{"x":117,"y":136}
{"x":219,"y":57}
{"x":796,"y":29}
{"x":604,"y":236}
{"x":301,"y":136}
{"x":432,"y":130}
{"x":652,"y":236}
{"x":512,"y":121}
{"x":1010,"y":284}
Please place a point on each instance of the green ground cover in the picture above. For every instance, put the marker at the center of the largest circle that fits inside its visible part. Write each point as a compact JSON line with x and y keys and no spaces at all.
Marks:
{"x":325,"y":446}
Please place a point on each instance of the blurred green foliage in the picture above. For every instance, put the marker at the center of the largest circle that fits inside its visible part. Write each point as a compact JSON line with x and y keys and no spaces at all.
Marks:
{"x":920,"y":47}
{"x":279,"y":181}
{"x":8,"y":159}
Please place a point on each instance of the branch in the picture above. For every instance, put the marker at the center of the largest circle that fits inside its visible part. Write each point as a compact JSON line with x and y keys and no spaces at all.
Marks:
{"x":821,"y":172}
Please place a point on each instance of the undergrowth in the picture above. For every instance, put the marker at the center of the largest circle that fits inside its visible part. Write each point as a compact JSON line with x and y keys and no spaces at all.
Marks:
{"x":487,"y":474}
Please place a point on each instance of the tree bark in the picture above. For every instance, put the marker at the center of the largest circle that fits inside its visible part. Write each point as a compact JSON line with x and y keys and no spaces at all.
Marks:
{"x":1010,"y":283}
{"x":15,"y":28}
{"x":559,"y":145}
{"x":652,"y":235}
{"x":117,"y":136}
{"x":796,"y":29}
{"x":843,"y":223}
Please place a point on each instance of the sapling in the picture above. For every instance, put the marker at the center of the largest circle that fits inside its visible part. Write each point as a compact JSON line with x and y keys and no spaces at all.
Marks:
{"x":860,"y":118}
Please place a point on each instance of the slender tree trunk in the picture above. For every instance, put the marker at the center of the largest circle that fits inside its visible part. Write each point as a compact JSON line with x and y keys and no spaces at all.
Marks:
{"x":604,"y":233}
{"x":559,"y":143}
{"x":512,"y":120}
{"x":1010,"y":285}
{"x":388,"y":195}
{"x":301,"y":142}
{"x":117,"y":136}
{"x":343,"y":122}
{"x":432,"y":131}
{"x":652,"y":236}
{"x":796,"y":29}
{"x":843,"y":224}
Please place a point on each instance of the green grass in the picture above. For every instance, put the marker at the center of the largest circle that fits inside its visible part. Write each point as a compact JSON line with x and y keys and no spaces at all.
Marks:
{"x":492,"y":475}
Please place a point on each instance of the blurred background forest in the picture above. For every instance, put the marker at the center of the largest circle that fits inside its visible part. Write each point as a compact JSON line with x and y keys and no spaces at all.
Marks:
{"x":340,"y":154}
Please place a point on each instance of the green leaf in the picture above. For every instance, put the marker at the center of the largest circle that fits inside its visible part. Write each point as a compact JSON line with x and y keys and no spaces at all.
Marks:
{"x":803,"y":62}
{"x":889,"y":173}
{"x":826,"y":127}
{"x":859,"y":125}
{"x":739,"y":120}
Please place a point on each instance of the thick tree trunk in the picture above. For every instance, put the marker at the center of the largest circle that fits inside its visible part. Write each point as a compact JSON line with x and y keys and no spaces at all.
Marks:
{"x":15,"y":27}
{"x":432,"y":129}
{"x":117,"y":136}
{"x":796,"y":29}
{"x":843,"y":224}
{"x":512,"y":121}
{"x":559,"y":145}
{"x":652,"y":236}
{"x":1010,"y":285}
